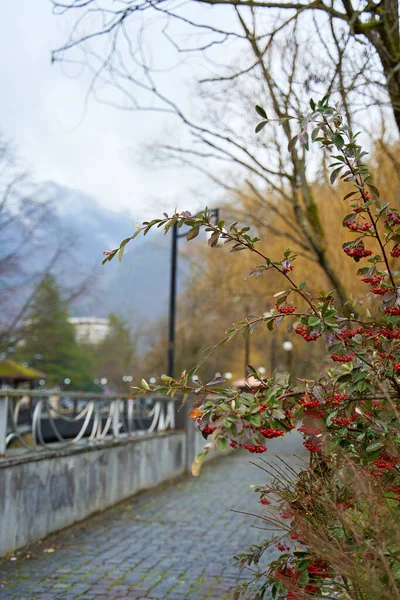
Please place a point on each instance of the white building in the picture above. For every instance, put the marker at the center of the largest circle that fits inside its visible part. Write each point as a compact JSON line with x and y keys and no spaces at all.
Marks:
{"x":92,"y":330}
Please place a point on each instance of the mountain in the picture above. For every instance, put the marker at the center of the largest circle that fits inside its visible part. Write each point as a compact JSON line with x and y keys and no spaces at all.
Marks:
{"x":138,"y":287}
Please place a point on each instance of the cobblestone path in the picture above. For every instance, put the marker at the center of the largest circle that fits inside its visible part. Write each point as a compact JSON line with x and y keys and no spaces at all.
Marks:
{"x":174,"y":543}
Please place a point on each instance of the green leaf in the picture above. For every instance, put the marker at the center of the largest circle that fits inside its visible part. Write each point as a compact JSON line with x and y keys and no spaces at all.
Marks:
{"x":374,"y":446}
{"x":110,"y":256}
{"x":198,"y":461}
{"x":330,"y":417}
{"x":313,"y":321}
{"x":373,"y":189}
{"x":167,"y":226}
{"x":213,"y":241}
{"x":260,"y":126}
{"x":314,"y":134}
{"x":221,"y":444}
{"x":193,"y":233}
{"x":255,"y":420}
{"x":350,"y":194}
{"x":338,"y":141}
{"x":138,"y":230}
{"x":261,"y":112}
{"x":334,"y":175}
{"x":122,"y":248}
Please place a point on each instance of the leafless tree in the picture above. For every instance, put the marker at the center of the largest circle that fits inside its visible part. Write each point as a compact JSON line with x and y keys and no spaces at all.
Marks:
{"x":31,"y":243}
{"x":275,"y":53}
{"x":372,"y":25}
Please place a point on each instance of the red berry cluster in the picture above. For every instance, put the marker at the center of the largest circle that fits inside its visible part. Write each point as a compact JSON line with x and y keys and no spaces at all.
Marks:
{"x":318,"y":568}
{"x":286,"y":514}
{"x":357,"y":251}
{"x":287,"y":269}
{"x":337,"y":399}
{"x":308,"y":337}
{"x":393,"y":218}
{"x":272,"y":433}
{"x":395,"y":253}
{"x":395,"y":490}
{"x":343,"y":359}
{"x":390,"y":334}
{"x":309,"y":430}
{"x":396,"y":366}
{"x":375,"y":280}
{"x":287,"y":572}
{"x":282,"y":547}
{"x":255,"y":448}
{"x":312,"y":588}
{"x":292,"y":595}
{"x":285,"y":310}
{"x":264,"y":501}
{"x":313,"y":446}
{"x":342,"y":421}
{"x":382,"y":355}
{"x":345,"y":504}
{"x":385,"y":461}
{"x":380,"y":291}
{"x":392,"y":310}
{"x":350,"y":333}
{"x":263,"y":408}
{"x":312,"y":407}
{"x":354,"y":226}
{"x":208,"y":430}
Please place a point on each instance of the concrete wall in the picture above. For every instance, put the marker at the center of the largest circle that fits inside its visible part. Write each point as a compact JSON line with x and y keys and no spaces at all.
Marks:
{"x":45,"y":492}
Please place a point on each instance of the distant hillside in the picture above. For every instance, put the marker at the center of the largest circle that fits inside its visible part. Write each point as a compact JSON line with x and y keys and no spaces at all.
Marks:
{"x":138,"y":287}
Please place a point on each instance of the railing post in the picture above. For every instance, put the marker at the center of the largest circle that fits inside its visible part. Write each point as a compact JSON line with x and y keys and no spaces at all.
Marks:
{"x":171,"y":413}
{"x":3,"y":423}
{"x":115,"y":417}
{"x":182,"y":422}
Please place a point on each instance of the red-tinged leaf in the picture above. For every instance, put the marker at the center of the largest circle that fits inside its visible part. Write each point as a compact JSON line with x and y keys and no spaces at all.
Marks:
{"x":195,"y":414}
{"x":213,"y":241}
{"x":193,"y":233}
{"x":215,"y":381}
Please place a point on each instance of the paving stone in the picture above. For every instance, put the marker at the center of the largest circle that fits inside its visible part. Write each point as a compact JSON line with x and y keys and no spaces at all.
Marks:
{"x":175,"y":542}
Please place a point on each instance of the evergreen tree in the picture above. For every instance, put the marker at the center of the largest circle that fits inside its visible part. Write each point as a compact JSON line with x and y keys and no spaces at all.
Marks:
{"x":49,"y":340}
{"x":116,"y":355}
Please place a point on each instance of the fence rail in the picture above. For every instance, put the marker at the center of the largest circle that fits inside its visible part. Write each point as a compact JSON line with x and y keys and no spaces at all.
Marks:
{"x":36,"y":420}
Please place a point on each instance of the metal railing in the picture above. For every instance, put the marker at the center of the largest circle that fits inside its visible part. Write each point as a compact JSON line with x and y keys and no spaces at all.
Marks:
{"x":36,"y":420}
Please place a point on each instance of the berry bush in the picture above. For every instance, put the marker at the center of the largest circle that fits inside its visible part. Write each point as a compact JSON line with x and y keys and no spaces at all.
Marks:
{"x":335,"y":521}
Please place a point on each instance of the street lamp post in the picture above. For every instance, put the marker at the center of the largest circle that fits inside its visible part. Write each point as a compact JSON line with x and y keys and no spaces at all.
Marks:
{"x":288,"y":348}
{"x":246,"y":348}
{"x":246,"y":354}
{"x":172,"y":294}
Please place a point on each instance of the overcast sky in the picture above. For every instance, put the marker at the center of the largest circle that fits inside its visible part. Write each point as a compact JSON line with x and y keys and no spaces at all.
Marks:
{"x":43,"y":113}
